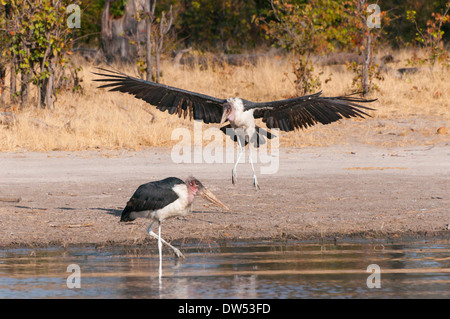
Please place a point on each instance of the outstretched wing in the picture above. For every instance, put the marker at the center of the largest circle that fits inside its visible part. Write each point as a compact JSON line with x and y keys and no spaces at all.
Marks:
{"x":308,"y":110}
{"x":165,"y":98}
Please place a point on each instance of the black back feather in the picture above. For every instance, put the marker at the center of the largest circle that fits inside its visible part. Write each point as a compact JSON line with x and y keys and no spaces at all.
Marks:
{"x":151,"y":196}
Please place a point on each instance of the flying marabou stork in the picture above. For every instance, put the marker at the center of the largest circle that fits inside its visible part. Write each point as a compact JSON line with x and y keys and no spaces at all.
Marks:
{"x":164,"y":199}
{"x":286,"y":115}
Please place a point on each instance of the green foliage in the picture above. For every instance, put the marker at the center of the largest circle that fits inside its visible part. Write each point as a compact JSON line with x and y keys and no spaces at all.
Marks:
{"x":221,"y":24}
{"x":305,"y":28}
{"x":35,"y":32}
{"x":91,"y":26}
{"x":4,"y":36}
{"x":365,"y":41}
{"x":231,"y":24}
{"x":117,"y":8}
{"x":39,"y":37}
{"x":431,"y":38}
{"x":401,"y":32}
{"x":373,"y":73}
{"x":322,"y":26}
{"x":305,"y":81}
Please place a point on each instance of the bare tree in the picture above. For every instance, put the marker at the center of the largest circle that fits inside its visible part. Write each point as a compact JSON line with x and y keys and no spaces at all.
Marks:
{"x":13,"y":80}
{"x":25,"y":78}
{"x":117,"y":31}
{"x":164,"y":27}
{"x":2,"y":83}
{"x":367,"y":52}
{"x":150,"y":7}
{"x":122,"y":36}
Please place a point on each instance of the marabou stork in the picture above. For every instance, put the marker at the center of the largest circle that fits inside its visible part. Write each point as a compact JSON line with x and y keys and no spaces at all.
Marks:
{"x":164,"y":199}
{"x":286,"y":115}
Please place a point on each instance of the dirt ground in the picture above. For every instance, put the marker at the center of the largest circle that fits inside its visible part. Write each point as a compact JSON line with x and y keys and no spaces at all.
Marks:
{"x":332,"y":193}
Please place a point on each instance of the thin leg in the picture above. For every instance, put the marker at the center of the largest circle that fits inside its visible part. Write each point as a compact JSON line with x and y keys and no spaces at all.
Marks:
{"x":160,"y":249}
{"x":255,"y":181}
{"x":175,"y":250}
{"x":233,"y":172}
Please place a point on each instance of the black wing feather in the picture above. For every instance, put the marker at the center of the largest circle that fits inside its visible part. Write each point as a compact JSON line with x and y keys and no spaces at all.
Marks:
{"x":151,"y":196}
{"x":305,"y":111}
{"x":176,"y":101}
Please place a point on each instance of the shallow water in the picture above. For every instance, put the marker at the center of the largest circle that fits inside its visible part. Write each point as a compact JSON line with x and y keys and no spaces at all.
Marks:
{"x":243,"y":270}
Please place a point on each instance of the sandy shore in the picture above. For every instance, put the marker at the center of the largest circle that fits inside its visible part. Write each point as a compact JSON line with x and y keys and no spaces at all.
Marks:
{"x":335,"y":192}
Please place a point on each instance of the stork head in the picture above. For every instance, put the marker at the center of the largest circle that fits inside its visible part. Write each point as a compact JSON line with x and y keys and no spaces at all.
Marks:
{"x":228,"y":112}
{"x":196,"y":187}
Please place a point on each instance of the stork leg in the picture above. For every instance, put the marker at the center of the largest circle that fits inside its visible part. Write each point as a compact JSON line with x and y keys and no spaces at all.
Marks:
{"x":160,"y":248}
{"x":255,"y":181}
{"x":151,"y":233}
{"x":233,"y":172}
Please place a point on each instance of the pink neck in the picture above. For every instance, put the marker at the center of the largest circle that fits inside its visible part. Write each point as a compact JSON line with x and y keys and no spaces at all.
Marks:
{"x":191,"y":195}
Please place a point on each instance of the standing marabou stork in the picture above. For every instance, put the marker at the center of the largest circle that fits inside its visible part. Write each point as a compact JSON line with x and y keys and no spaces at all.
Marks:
{"x":164,"y":199}
{"x":286,"y":115}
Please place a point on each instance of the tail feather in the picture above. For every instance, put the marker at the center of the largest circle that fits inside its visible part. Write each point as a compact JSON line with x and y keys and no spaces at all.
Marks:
{"x":257,"y":140}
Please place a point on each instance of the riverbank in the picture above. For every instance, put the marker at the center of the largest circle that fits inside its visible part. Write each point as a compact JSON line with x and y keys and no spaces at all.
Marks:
{"x":65,"y":198}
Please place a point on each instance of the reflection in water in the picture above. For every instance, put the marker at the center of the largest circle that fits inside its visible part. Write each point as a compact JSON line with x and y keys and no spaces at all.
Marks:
{"x":244,"y":270}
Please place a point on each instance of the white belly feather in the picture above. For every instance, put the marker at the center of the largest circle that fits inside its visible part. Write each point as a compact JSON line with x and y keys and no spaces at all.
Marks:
{"x":179,"y":207}
{"x":242,"y":119}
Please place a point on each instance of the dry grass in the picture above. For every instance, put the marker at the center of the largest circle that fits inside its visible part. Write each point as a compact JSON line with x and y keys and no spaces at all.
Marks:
{"x":409,"y":110}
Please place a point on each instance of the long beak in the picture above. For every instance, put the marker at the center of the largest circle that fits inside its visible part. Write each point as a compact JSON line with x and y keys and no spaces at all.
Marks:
{"x":224,"y":116}
{"x":206,"y":194}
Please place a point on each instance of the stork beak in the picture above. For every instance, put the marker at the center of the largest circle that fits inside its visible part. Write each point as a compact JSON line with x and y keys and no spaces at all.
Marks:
{"x":206,"y":194}
{"x":224,"y":116}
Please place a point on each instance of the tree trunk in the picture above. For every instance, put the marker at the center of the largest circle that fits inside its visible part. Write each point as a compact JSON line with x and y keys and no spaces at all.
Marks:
{"x":158,"y":67}
{"x":2,"y":84}
{"x":164,"y":27}
{"x":150,"y":11}
{"x":149,"y":51}
{"x":45,"y":93}
{"x":366,"y":64}
{"x":13,"y":82}
{"x":118,"y":31}
{"x":49,"y":87}
{"x":24,"y":88}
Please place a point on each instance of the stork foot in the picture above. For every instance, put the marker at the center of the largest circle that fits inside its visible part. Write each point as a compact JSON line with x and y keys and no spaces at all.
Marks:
{"x":255,"y":183}
{"x":233,"y":177}
{"x":178,"y":253}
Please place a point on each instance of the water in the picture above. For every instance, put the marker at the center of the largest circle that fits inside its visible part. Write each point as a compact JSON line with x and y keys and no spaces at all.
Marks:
{"x":243,"y":270}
